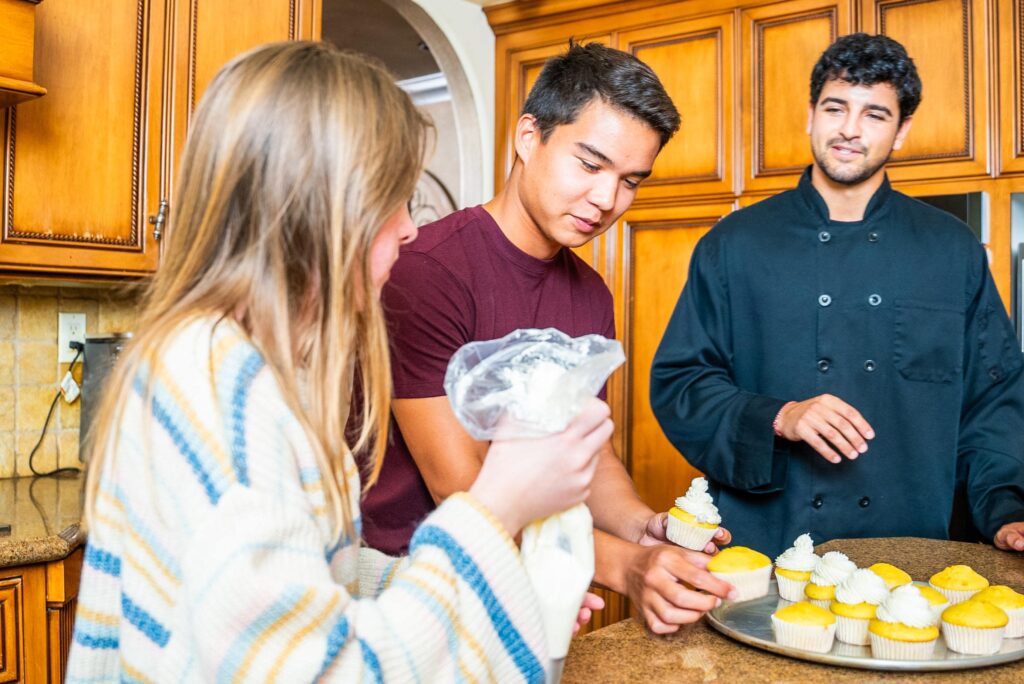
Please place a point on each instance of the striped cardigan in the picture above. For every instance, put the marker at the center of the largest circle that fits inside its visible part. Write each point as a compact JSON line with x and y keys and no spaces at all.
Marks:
{"x":210,"y":559}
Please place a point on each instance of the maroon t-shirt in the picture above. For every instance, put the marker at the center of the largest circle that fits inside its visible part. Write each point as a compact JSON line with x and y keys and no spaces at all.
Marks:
{"x":463,"y":281}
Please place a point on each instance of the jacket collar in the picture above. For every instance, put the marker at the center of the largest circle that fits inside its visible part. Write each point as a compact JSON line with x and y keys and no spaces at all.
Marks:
{"x":875,"y":209}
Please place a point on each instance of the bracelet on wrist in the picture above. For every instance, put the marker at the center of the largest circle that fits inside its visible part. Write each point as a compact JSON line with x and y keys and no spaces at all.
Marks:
{"x":775,"y":422}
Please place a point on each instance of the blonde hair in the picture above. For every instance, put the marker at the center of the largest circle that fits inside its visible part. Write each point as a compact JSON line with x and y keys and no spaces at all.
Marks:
{"x":297,"y":155}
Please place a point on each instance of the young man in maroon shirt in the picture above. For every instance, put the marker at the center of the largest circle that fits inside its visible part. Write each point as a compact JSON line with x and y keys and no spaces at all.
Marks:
{"x":591,"y":128}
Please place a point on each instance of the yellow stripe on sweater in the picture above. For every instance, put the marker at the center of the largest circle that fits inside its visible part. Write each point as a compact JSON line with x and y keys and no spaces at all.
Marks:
{"x":318,"y":621}
{"x":256,"y":648}
{"x":95,"y":616}
{"x":119,"y":527}
{"x":133,"y":672}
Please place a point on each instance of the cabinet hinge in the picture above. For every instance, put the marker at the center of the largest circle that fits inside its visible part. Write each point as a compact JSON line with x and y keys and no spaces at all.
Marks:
{"x":159,"y":220}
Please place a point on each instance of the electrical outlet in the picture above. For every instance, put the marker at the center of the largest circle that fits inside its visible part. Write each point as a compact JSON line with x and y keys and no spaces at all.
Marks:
{"x":70,"y":327}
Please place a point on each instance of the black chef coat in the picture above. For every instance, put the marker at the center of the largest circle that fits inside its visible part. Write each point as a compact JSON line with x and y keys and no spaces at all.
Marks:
{"x":895,"y":314}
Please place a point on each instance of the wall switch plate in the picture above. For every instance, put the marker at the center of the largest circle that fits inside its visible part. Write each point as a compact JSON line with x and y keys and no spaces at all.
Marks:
{"x":70,"y":327}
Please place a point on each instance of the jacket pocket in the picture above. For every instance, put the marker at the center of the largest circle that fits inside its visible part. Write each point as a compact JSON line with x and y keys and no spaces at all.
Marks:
{"x":928,"y":341}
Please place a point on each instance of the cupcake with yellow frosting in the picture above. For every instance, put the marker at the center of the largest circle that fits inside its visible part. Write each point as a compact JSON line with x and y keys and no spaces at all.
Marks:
{"x":747,"y":570}
{"x":829,"y":572}
{"x":937,"y":601}
{"x":893,"y":576}
{"x":693,"y":521}
{"x":793,"y":568}
{"x":805,"y":626}
{"x":856,"y":601}
{"x":1011,"y":603}
{"x":974,"y":627}
{"x":904,"y":626}
{"x":958,"y":583}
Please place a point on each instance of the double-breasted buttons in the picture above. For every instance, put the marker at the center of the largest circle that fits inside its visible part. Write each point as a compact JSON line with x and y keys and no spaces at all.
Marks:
{"x":864,"y":502}
{"x":824,"y":236}
{"x":994,"y":373}
{"x":869,"y":366}
{"x":818,"y":502}
{"x":874,"y":299}
{"x":824,"y":365}
{"x":872,"y":236}
{"x":824,"y":300}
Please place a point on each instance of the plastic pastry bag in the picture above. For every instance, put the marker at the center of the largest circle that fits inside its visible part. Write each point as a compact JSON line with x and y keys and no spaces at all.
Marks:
{"x":532,"y":383}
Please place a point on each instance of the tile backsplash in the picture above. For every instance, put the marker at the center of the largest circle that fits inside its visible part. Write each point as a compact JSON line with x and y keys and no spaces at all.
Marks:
{"x":30,"y":374}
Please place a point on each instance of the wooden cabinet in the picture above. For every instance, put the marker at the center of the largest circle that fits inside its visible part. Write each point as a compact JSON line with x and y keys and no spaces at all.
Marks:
{"x":1009,"y":20}
{"x":88,"y":168}
{"x":17,"y":36}
{"x":37,"y":608}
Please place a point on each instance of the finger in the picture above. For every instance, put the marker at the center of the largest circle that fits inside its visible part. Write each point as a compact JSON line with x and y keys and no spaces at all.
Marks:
{"x":662,"y":618}
{"x":812,"y":439}
{"x":584,"y":616}
{"x":852,"y":415}
{"x":703,"y":581}
{"x":593,"y":414}
{"x":697,"y":559}
{"x":597,"y":437}
{"x":853,"y":437}
{"x":1015,"y":540}
{"x":593,"y":601}
{"x":723,"y":536}
{"x":710,"y":549}
{"x":831,"y":434}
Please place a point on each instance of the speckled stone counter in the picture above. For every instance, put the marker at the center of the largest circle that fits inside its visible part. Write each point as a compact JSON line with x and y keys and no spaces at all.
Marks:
{"x":625,"y":652}
{"x":44,"y":515}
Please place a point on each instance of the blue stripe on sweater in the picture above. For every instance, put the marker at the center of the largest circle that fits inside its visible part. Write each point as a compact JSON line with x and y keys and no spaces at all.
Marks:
{"x":372,"y":663}
{"x":236,"y":654}
{"x":524,"y":658}
{"x":239,"y":400}
{"x":137,"y":616}
{"x":92,"y":634}
{"x":101,"y":560}
{"x":336,"y":638}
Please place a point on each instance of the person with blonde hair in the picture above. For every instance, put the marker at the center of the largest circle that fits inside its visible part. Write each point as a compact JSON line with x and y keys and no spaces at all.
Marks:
{"x":223,"y":497}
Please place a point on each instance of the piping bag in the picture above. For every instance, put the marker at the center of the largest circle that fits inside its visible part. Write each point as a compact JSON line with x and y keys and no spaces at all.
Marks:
{"x":532,"y":383}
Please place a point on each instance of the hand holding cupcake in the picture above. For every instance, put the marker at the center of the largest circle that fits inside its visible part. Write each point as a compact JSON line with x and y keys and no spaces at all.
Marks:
{"x":694,"y":520}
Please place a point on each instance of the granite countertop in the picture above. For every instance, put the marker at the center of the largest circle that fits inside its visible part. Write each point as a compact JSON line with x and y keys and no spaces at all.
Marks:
{"x":625,"y":652}
{"x":44,"y":514}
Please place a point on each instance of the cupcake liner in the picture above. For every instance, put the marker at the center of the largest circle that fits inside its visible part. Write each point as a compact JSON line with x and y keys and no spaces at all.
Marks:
{"x":688,"y":536}
{"x":815,"y":638}
{"x":891,"y":649}
{"x":824,"y":603}
{"x":1015,"y":627}
{"x":973,"y":640}
{"x":953,"y":595}
{"x":937,"y":609}
{"x":791,"y":589}
{"x":751,"y":584}
{"x":852,"y":630}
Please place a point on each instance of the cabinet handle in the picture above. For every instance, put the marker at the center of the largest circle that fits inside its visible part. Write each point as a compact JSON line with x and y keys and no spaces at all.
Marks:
{"x":159,"y":220}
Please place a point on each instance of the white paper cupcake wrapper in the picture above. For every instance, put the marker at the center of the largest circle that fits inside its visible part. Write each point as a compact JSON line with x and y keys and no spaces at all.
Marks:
{"x":852,"y":630}
{"x":791,"y":589}
{"x":890,"y":649}
{"x":688,"y":536}
{"x":824,"y":603}
{"x":814,"y":638}
{"x":954,"y":596}
{"x":1015,"y":628}
{"x":972,"y":640}
{"x":751,"y":584}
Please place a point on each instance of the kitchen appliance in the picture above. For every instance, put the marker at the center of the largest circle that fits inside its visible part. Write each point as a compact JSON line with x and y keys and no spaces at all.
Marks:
{"x":101,"y":352}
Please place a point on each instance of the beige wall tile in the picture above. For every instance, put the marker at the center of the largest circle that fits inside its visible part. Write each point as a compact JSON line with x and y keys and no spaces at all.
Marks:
{"x":37,"y":363}
{"x":117,"y":316}
{"x":7,"y":414}
{"x":37,"y":319}
{"x":67,"y":449}
{"x":6,"y":454}
{"x":6,"y":364}
{"x":46,"y":457}
{"x":8,"y":316}
{"x":33,"y":403}
{"x":70,"y":414}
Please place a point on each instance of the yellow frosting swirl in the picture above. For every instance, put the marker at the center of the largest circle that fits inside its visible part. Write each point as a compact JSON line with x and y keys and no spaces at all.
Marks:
{"x":738,"y":559}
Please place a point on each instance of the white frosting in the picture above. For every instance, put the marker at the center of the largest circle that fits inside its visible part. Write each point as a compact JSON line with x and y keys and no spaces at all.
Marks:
{"x":862,"y":586}
{"x":800,"y":556}
{"x":698,"y":503}
{"x":831,"y":569}
{"x":908,"y":606}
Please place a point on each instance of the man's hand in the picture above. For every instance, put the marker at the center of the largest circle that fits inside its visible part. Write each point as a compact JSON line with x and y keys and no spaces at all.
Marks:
{"x":657,"y":525}
{"x":1010,"y":537}
{"x":832,"y":427}
{"x":591,"y":602}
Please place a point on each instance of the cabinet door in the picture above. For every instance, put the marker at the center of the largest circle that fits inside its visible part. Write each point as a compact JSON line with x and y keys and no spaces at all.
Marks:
{"x":23,"y":652}
{"x":781,"y":44}
{"x":694,"y":60}
{"x":82,"y":165}
{"x":655,"y":246}
{"x":1010,"y":76}
{"x":948,"y":42}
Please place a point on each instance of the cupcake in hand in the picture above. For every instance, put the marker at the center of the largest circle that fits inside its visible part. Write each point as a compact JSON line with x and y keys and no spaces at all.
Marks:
{"x":806,"y":626}
{"x":793,"y":568}
{"x":904,"y":626}
{"x":974,"y":627}
{"x":1011,"y":603}
{"x":829,"y":572}
{"x":856,"y":601}
{"x":747,"y":570}
{"x":694,"y":520}
{"x":958,"y":583}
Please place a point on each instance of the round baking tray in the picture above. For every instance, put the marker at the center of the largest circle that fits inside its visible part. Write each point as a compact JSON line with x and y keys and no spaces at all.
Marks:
{"x":749,"y":622}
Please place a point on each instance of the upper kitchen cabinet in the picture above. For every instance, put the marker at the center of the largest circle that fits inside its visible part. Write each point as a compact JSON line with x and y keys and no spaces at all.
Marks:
{"x":17,"y":36}
{"x":781,"y":44}
{"x":1009,"y":21}
{"x":948,"y":41}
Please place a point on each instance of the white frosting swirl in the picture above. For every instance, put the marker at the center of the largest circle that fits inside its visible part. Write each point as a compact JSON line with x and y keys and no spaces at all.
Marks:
{"x":862,"y":586}
{"x":698,"y":503}
{"x":831,"y":569}
{"x":908,"y":606}
{"x":800,"y":556}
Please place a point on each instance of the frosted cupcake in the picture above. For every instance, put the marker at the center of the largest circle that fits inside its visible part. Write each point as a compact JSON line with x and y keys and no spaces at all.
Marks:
{"x":856,"y":601}
{"x":805,"y":626}
{"x":958,"y":583}
{"x":937,"y":601}
{"x":974,"y":627}
{"x":793,"y":568}
{"x":830,"y":571}
{"x":904,"y":626}
{"x":1011,"y":603}
{"x":693,"y":521}
{"x":893,"y":576}
{"x":747,"y":570}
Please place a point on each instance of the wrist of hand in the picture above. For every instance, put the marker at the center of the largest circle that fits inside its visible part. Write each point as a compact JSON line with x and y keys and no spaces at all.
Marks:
{"x":777,"y":423}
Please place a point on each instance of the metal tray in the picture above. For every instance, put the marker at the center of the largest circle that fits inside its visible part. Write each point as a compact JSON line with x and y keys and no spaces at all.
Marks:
{"x":749,"y":622}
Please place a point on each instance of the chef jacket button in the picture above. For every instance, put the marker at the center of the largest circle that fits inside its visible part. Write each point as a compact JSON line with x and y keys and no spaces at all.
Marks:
{"x":824,"y":300}
{"x":818,"y":502}
{"x":864,"y":502}
{"x":872,"y":236}
{"x":824,"y":365}
{"x":992,"y":373}
{"x":824,"y":236}
{"x":869,"y":366}
{"x":874,"y":300}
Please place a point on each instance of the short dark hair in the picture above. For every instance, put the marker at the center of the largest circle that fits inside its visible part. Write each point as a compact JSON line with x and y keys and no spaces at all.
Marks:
{"x":571,"y":80}
{"x":860,"y":58}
